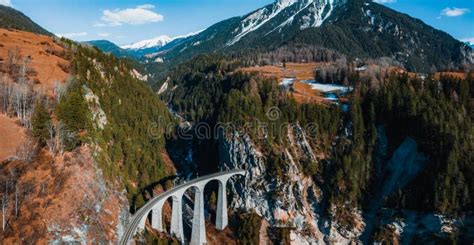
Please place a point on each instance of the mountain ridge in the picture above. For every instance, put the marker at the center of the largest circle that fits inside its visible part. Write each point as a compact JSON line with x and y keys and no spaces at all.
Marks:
{"x":110,"y":47}
{"x":11,"y":18}
{"x":358,"y":29}
{"x":159,"y":41}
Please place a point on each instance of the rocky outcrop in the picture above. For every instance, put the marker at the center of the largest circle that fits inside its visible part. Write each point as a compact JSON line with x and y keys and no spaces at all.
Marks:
{"x":62,"y":200}
{"x":292,"y":202}
{"x":98,"y":115}
{"x":98,"y":213}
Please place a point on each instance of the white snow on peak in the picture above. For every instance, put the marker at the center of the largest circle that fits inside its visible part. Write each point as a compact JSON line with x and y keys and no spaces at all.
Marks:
{"x":188,"y":35}
{"x":159,"y":41}
{"x":319,"y":11}
{"x":290,"y":20}
{"x":259,"y":18}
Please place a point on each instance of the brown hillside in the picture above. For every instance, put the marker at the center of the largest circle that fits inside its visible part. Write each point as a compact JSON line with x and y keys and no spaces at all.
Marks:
{"x":12,"y":137}
{"x":48,"y":62}
{"x":60,"y":200}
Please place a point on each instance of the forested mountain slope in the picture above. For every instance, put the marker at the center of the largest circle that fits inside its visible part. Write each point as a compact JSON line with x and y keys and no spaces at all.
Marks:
{"x":391,"y":160}
{"x":109,"y":47}
{"x":94,"y":141}
{"x":355,"y":28}
{"x":402,"y":152}
{"x":10,"y":18}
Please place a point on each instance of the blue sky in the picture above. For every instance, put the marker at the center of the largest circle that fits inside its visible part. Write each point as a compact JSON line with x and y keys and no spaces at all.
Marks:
{"x":127,"y":21}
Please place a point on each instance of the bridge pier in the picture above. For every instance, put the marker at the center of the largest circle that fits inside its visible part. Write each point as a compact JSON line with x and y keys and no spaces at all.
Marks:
{"x":141,"y":225}
{"x":177,"y":217}
{"x":221,"y":216}
{"x":156,"y":217}
{"x":198,"y":233}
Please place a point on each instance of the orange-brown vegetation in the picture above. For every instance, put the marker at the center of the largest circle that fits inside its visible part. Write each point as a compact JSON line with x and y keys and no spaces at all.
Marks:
{"x":168,"y":162}
{"x":47,"y":61}
{"x":263,"y":238}
{"x":303,"y":93}
{"x":60,"y":199}
{"x":299,"y":71}
{"x":460,"y":75}
{"x":12,"y":136}
{"x":217,"y":237}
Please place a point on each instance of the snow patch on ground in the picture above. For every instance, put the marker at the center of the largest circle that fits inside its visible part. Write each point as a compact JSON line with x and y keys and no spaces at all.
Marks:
{"x":286,"y":82}
{"x":327,"y":87}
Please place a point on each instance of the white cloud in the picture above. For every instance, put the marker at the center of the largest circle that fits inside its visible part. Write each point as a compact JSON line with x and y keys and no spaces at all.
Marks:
{"x":6,"y":2}
{"x":99,"y":24}
{"x":134,"y":16}
{"x":385,"y":1}
{"x":72,"y":35}
{"x":469,"y":40}
{"x":454,"y":12}
{"x":146,"y":6}
{"x":103,"y":34}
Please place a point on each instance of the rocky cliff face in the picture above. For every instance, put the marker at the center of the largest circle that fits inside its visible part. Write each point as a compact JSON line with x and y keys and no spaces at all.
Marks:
{"x":297,"y":200}
{"x":293,"y":202}
{"x":97,"y":215}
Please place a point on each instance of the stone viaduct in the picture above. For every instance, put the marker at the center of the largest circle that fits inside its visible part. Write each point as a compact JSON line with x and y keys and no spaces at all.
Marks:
{"x":198,"y":233}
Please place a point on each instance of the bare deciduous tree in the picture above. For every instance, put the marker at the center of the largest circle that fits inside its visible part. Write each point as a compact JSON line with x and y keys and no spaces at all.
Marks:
{"x":17,"y":93}
{"x":59,"y":91}
{"x":52,"y":142}
{"x":61,"y":137}
{"x":5,"y":201}
{"x":27,"y":151}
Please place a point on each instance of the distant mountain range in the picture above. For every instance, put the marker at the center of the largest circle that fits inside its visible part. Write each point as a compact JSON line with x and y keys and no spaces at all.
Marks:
{"x":110,"y":47}
{"x":141,"y":48}
{"x":356,"y":28}
{"x":150,"y":43}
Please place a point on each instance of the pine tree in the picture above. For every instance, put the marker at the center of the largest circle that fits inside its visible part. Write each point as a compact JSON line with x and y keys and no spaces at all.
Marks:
{"x":40,"y":122}
{"x":73,"y":111}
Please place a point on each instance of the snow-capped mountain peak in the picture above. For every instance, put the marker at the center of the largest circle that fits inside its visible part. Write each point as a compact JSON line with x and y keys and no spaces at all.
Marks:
{"x":311,"y":12}
{"x":259,"y":18}
{"x":159,"y":41}
{"x":188,"y":35}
